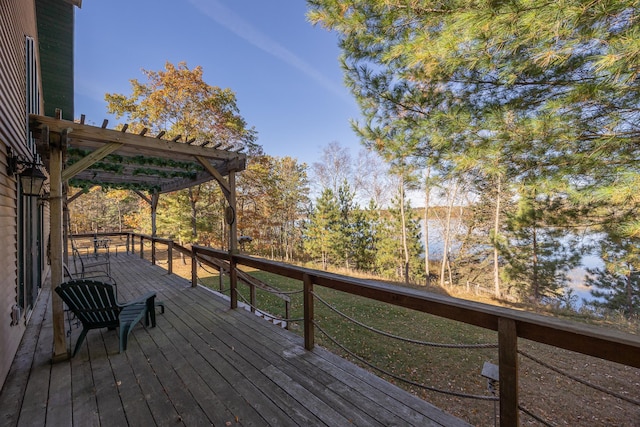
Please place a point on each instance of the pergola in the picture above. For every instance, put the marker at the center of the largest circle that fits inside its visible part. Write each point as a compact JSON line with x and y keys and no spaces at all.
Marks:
{"x":89,"y":155}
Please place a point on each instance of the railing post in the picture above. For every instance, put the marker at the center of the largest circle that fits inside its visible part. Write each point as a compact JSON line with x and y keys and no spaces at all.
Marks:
{"x":309,"y":337}
{"x":153,"y":251}
{"x":508,"y":361}
{"x":141,"y":247}
{"x":233,"y":282}
{"x":170,"y":257}
{"x":194,"y":267}
{"x":252,"y":297}
{"x":128,"y":244}
{"x":287,"y":315}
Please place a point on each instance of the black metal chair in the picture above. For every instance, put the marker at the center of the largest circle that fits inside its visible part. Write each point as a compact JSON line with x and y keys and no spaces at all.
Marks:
{"x":91,"y":265}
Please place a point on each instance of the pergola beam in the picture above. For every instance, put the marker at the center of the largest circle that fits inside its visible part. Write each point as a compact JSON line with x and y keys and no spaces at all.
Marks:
{"x":217,"y":175}
{"x":89,"y":160}
{"x":80,"y":132}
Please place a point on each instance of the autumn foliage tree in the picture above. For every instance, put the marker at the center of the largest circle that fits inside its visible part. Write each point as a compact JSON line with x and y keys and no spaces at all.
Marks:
{"x":272,"y":204}
{"x":180,"y":103}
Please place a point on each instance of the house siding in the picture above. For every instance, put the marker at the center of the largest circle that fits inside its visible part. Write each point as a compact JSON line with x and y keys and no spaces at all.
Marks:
{"x":17,"y":21}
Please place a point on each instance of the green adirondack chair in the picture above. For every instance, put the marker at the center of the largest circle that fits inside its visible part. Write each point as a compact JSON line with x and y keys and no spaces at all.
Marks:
{"x":96,"y":306}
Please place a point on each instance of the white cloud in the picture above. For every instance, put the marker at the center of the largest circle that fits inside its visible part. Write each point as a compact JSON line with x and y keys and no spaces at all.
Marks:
{"x":246,"y":31}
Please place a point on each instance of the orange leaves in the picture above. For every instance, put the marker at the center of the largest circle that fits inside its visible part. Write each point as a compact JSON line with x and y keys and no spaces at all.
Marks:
{"x":178,"y":101}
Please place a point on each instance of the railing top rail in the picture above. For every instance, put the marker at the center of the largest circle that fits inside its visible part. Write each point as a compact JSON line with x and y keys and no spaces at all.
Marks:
{"x":101,"y":234}
{"x":143,"y":236}
{"x":162,"y":240}
{"x":154,"y":238}
{"x":592,"y":340}
{"x":181,"y":248}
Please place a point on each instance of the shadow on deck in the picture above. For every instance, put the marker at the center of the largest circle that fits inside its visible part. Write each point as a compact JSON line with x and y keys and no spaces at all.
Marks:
{"x":204,"y":364}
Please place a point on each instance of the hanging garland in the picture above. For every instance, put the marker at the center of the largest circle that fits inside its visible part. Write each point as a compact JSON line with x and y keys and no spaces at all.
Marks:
{"x":76,"y":154}
{"x":86,"y":185}
{"x":163,"y":174}
{"x":144,"y":166}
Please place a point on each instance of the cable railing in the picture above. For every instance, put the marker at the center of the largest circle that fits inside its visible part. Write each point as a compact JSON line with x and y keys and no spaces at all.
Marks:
{"x":399,"y":338}
{"x":586,"y":383}
{"x":511,"y":325}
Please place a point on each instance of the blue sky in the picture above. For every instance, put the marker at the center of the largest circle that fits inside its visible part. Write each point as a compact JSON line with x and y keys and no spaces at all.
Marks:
{"x":284,"y":71}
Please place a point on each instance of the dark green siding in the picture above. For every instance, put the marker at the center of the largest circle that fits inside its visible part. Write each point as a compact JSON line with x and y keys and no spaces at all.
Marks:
{"x":55,"y":34}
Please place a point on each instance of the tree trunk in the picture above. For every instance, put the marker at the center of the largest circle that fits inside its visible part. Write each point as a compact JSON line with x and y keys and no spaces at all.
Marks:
{"x":119,"y":217}
{"x":447,"y":232}
{"x":629,"y":292}
{"x":496,"y":228}
{"x":193,"y":198}
{"x":535,"y":284}
{"x":182,"y":257}
{"x":403,"y":220}
{"x":427,"y":199}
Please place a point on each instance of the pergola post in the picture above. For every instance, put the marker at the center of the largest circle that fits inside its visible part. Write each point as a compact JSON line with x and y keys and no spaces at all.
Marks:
{"x":153,"y":202}
{"x":66,"y":228}
{"x":56,"y":236}
{"x":233,"y":229}
{"x":154,"y":209}
{"x":233,"y":237}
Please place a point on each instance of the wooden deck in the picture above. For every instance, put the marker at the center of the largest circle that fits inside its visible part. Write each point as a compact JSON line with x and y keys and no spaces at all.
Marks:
{"x":204,"y":364}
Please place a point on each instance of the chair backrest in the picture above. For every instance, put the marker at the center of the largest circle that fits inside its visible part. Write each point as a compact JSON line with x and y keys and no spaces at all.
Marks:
{"x":94,"y":303}
{"x":67,"y":272}
{"x":76,"y":258}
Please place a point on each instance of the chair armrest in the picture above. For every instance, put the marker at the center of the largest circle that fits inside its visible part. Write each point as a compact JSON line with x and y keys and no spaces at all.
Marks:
{"x":149,"y":299}
{"x":143,"y":298}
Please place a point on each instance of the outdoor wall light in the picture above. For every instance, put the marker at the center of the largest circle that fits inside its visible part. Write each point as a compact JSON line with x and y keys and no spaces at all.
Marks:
{"x":31,"y":177}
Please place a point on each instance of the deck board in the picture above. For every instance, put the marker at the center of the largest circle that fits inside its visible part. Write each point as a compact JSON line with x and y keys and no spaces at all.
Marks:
{"x":33,"y":410}
{"x":204,"y":364}
{"x":15,"y":385}
{"x":85,"y":405}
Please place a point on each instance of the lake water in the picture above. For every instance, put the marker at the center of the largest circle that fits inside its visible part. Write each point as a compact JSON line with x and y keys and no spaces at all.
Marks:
{"x":577,"y":275}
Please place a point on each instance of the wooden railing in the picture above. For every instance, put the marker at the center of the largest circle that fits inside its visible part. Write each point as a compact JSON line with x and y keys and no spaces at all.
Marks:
{"x":200,"y":258}
{"x":510,"y":325}
{"x":94,"y":236}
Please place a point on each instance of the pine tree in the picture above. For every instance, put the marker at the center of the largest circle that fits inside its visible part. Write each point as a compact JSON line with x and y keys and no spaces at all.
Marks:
{"x":538,"y":260}
{"x":346,"y":232}
{"x":174,"y":217}
{"x":365,"y":238}
{"x":553,"y":85}
{"x":617,"y":284}
{"x":392,"y":260}
{"x":323,"y":229}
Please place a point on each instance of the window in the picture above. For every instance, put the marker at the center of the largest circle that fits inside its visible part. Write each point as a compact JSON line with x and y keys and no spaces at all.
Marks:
{"x":33,"y":91}
{"x":30,"y":215}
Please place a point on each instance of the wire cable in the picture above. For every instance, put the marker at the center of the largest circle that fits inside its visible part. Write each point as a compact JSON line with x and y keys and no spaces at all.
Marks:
{"x":399,"y":378}
{"x":580,"y":380}
{"x":409,"y":340}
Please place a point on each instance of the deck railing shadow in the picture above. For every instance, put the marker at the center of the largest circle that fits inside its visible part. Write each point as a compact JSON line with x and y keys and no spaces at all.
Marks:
{"x":510,"y":325}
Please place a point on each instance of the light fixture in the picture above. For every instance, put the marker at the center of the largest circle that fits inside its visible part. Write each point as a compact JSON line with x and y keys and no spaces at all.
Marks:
{"x":31,"y":177}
